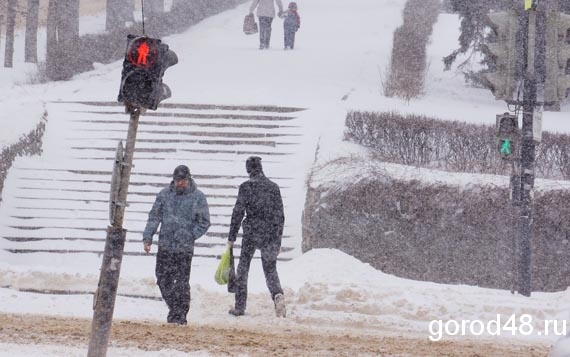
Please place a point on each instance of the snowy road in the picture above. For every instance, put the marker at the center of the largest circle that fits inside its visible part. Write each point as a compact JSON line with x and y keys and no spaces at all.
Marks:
{"x":261,"y":340}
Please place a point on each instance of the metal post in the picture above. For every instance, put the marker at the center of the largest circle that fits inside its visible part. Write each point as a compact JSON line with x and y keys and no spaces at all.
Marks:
{"x":515,"y":185}
{"x":527,"y":157}
{"x":533,"y":102}
{"x":104,"y":299}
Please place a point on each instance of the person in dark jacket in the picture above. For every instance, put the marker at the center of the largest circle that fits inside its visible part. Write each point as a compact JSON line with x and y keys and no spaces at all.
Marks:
{"x":182,"y":212}
{"x":291,"y":25}
{"x":259,"y":199}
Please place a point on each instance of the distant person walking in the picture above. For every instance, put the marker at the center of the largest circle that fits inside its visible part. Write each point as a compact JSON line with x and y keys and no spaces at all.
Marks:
{"x":265,"y":13}
{"x":259,"y":199}
{"x":291,"y":25}
{"x":182,"y":212}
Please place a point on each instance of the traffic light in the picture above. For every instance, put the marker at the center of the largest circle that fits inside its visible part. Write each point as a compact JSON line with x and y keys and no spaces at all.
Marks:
{"x":146,"y":60}
{"x":507,"y":135}
{"x":503,"y":52}
{"x":557,"y":81}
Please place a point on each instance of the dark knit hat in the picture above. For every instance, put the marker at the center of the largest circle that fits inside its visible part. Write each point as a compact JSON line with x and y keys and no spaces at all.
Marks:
{"x":253,"y":164}
{"x":181,"y":172}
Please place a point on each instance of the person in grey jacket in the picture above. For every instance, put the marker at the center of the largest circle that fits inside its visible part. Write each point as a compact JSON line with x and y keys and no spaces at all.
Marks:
{"x":182,"y":212}
{"x":265,"y":13}
{"x":259,"y":200}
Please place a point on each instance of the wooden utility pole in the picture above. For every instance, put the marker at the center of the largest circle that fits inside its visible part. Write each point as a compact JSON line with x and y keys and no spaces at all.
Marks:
{"x":104,"y":299}
{"x":137,"y":94}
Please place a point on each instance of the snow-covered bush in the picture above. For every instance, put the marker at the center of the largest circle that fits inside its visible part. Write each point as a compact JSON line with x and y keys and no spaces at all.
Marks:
{"x":418,"y":228}
{"x":449,"y":145}
{"x":30,"y":144}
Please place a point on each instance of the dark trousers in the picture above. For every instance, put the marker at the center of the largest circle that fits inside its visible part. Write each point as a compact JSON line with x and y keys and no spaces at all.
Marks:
{"x":173,"y":279}
{"x":269,"y":263}
{"x":264,"y":31}
{"x":289,"y":39}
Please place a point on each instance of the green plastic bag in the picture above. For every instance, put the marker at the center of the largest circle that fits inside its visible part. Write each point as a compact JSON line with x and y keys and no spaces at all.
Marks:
{"x":223,"y":272}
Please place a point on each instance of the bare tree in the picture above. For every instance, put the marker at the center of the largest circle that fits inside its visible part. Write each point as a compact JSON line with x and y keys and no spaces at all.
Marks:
{"x":185,"y":12}
{"x":10,"y":28}
{"x":31,"y":51}
{"x":179,"y":4}
{"x":154,"y":7}
{"x":154,"y":17}
{"x":1,"y":22}
{"x":119,"y":12}
{"x":2,"y":12}
{"x":62,"y":39}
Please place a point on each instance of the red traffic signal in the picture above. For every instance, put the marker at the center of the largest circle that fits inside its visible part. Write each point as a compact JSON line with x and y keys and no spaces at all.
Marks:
{"x":146,"y":60}
{"x":142,"y":52}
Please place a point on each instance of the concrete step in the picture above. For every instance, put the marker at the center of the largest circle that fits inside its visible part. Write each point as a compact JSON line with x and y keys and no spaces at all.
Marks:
{"x":58,"y":203}
{"x":260,"y":108}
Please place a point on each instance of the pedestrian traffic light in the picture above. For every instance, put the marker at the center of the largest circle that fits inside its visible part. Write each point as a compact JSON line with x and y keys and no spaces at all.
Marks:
{"x":146,"y":60}
{"x":503,"y":54}
{"x":507,"y":135}
{"x":557,"y":81}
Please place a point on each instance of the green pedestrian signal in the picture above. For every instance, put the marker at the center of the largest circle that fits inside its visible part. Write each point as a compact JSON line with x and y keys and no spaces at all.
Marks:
{"x":507,"y":135}
{"x":506,"y":147}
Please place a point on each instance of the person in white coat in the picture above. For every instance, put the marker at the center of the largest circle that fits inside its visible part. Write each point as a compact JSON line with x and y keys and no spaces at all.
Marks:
{"x":265,"y":13}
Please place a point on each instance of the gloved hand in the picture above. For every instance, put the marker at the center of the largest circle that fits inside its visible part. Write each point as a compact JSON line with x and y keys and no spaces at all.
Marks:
{"x":280,"y":14}
{"x":230,"y":243}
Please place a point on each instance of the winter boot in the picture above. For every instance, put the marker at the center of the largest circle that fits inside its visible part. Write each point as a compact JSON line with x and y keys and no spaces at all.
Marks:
{"x":280,"y":308}
{"x":236,"y":312}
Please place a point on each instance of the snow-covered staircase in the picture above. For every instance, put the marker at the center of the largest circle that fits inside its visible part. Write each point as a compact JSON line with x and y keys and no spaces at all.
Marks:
{"x":58,"y":203}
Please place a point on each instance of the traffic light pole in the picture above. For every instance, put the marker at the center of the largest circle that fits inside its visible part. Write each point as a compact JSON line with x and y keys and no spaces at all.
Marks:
{"x":515,"y":186}
{"x":104,"y":299}
{"x":526,"y":188}
{"x":533,"y":102}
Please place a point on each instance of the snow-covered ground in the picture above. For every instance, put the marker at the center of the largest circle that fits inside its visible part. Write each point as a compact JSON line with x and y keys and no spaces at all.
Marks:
{"x":341,"y":50}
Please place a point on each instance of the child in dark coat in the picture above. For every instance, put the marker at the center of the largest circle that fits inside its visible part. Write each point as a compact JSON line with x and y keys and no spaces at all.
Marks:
{"x":291,"y":24}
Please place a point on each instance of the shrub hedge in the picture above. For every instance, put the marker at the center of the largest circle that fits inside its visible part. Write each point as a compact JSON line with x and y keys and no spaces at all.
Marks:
{"x":29,"y":144}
